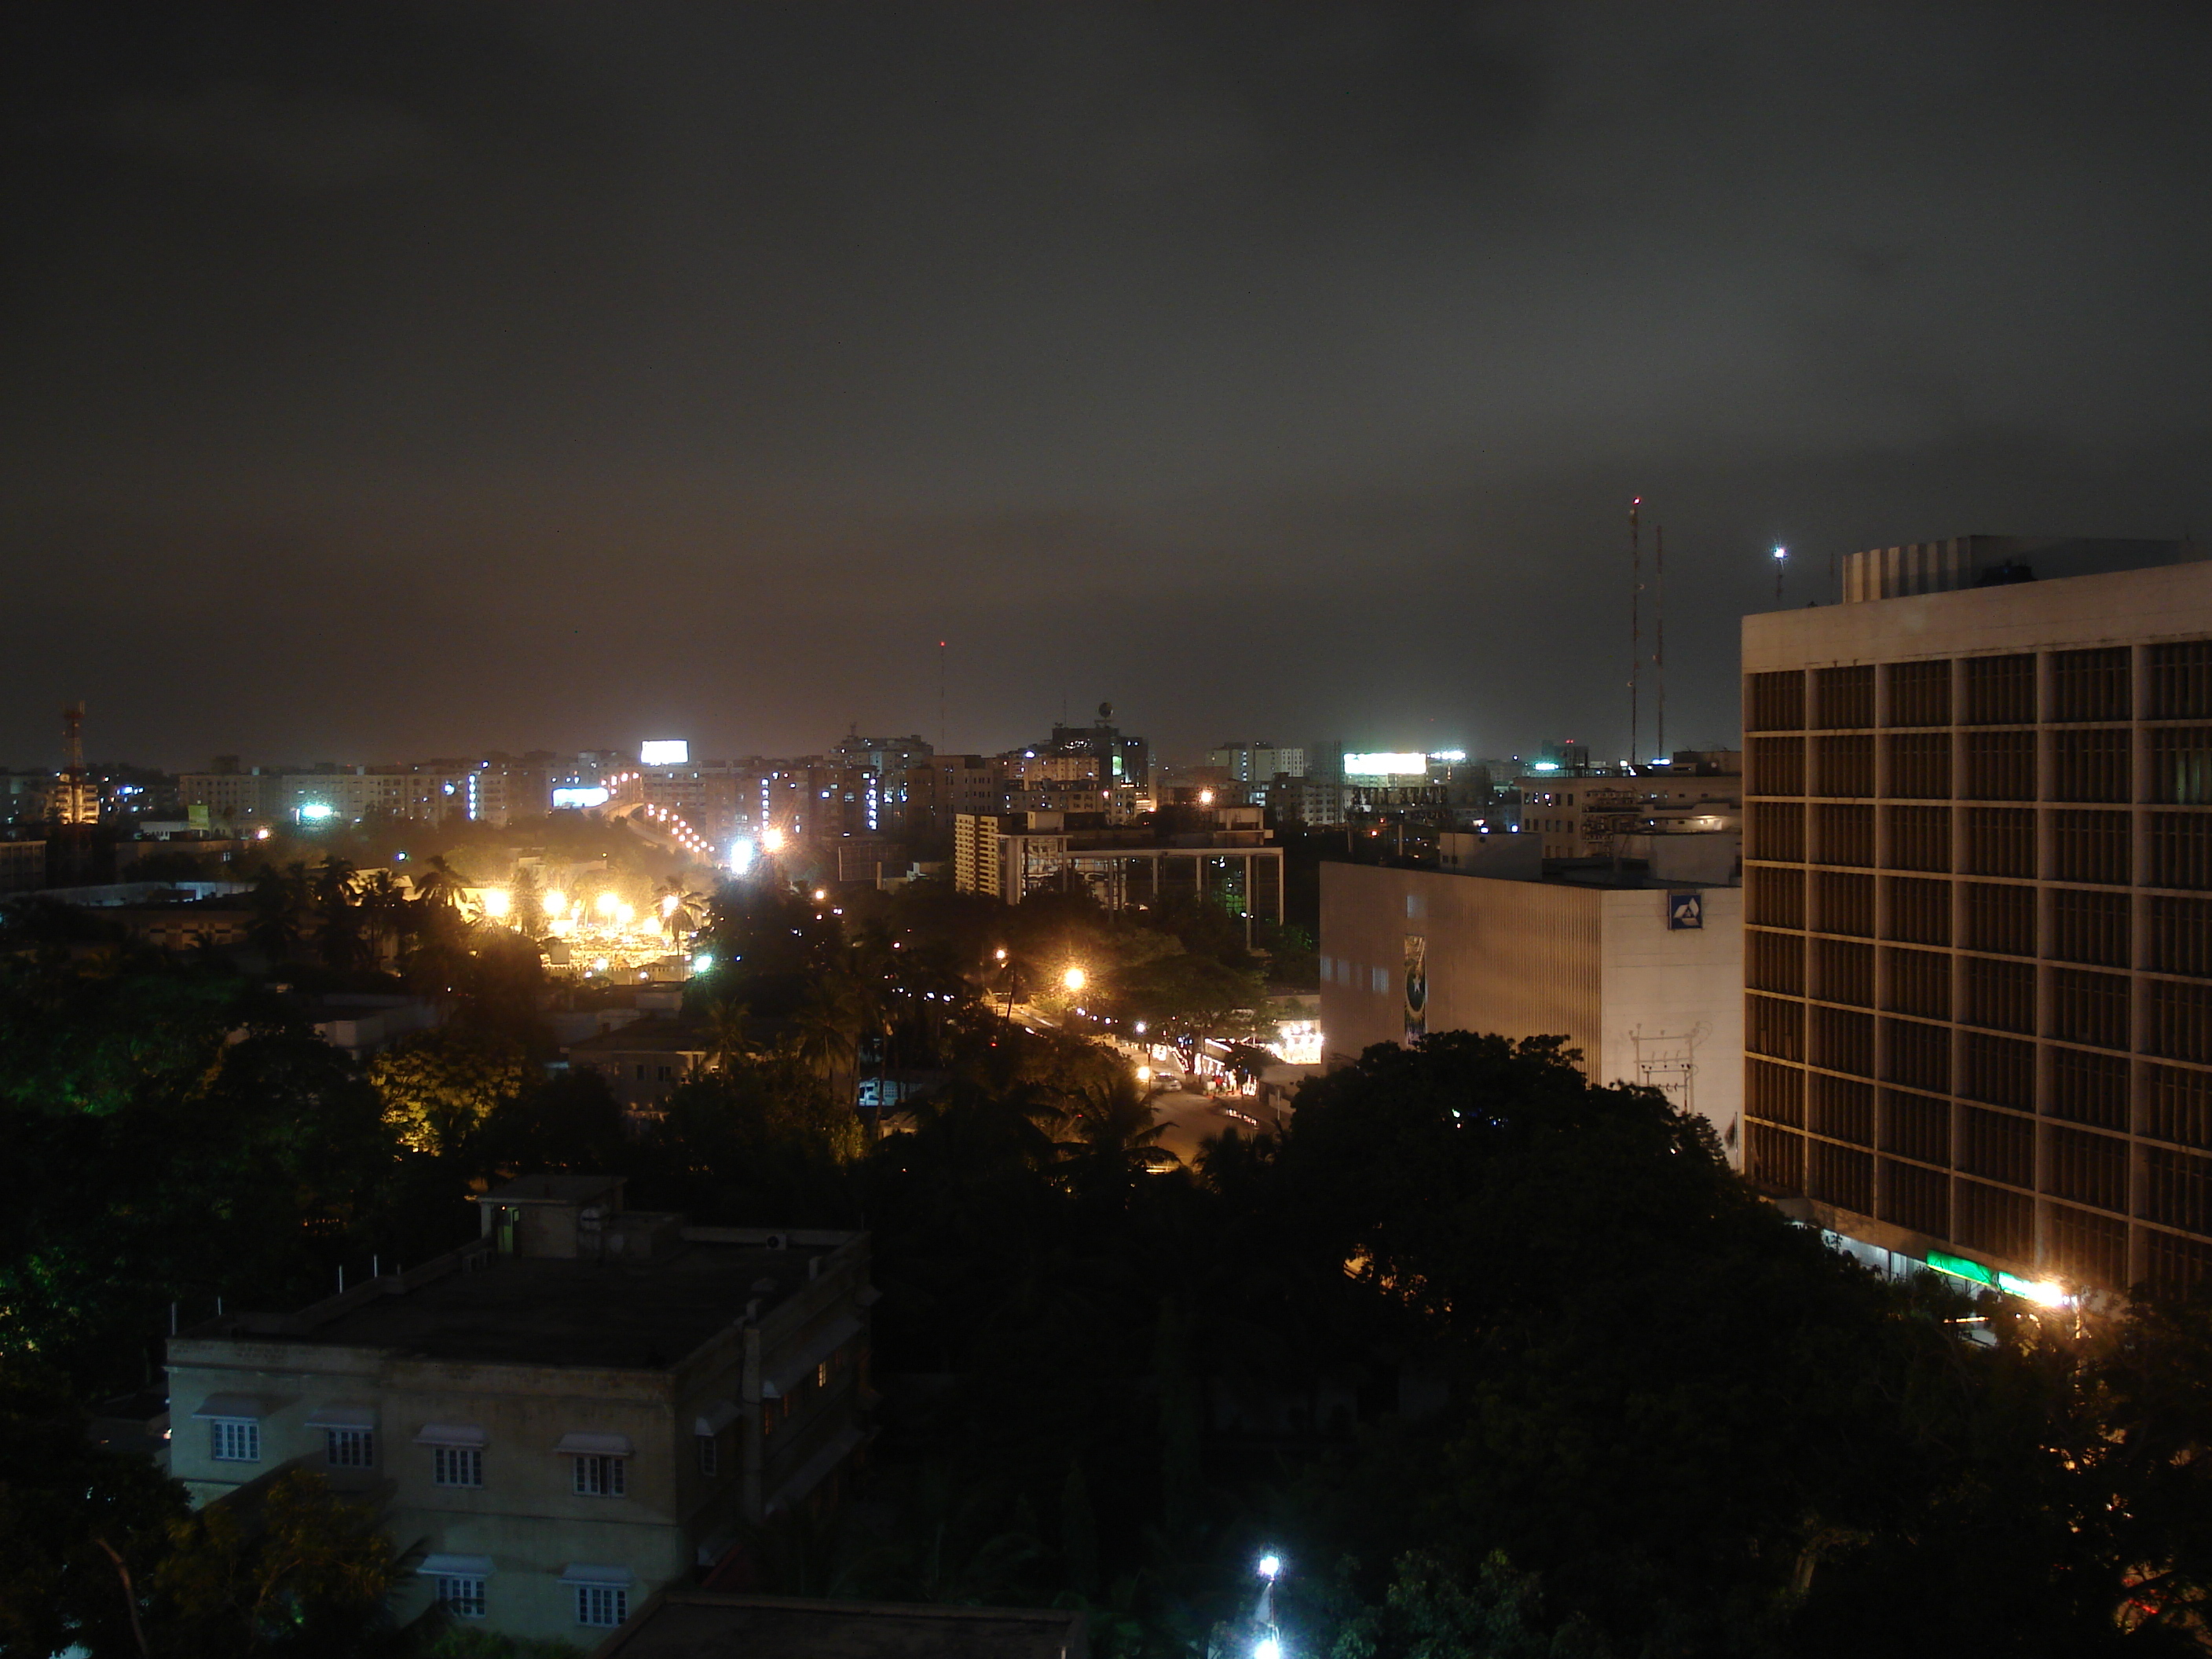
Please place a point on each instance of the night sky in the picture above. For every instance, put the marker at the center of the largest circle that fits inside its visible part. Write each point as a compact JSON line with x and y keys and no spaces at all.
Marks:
{"x":387,"y":381}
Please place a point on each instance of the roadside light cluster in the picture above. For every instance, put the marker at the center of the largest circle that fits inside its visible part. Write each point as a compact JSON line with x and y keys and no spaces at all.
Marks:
{"x":683,"y":834}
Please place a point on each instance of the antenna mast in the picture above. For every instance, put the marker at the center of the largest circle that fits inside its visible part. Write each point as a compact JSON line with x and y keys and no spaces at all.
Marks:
{"x":940,"y":697}
{"x":1659,"y":645}
{"x":1635,"y":625}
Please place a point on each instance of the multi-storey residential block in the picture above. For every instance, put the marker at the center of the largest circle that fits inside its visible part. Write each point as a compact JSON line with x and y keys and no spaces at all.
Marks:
{"x":1978,"y":890}
{"x":584,"y":1405}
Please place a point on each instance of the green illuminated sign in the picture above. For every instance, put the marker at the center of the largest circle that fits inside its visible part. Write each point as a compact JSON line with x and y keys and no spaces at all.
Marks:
{"x":1959,"y":1267}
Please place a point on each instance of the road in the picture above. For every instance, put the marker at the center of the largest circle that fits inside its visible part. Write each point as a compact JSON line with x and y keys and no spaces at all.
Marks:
{"x":1189,"y":1117}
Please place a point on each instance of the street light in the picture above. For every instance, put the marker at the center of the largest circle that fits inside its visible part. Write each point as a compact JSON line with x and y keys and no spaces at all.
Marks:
{"x":1781,"y":561}
{"x":1075,"y":979}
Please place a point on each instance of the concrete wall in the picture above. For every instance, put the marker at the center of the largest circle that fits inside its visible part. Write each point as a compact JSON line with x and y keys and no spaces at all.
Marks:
{"x":1672,"y":1004}
{"x":2076,"y":612}
{"x":1601,"y":966}
{"x":1516,"y":957}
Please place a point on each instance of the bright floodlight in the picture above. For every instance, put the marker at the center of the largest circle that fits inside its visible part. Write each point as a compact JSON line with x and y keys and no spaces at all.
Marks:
{"x":1781,"y":552}
{"x":741,"y":855}
{"x":318,"y":810}
{"x":623,"y":914}
{"x":668,"y":902}
{"x":1141,"y":1028}
{"x":495,"y":902}
{"x":1270,"y":1566}
{"x":1075,"y":979}
{"x":771,"y":840}
{"x":607,"y":903}
{"x":1206,"y":798}
{"x":703,"y":962}
{"x":556,"y":903}
{"x":1266,"y":1648}
{"x":820,"y":895}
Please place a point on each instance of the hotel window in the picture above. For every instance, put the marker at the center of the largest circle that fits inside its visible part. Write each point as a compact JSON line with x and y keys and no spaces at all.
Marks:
{"x":1917,"y":1127}
{"x":1845,"y":697}
{"x":2181,"y":681}
{"x":602,"y":1605}
{"x":350,"y":1449}
{"x":457,"y":1466}
{"x":2089,"y":927}
{"x":1919,"y":694}
{"x":1777,"y":767}
{"x":1843,"y":903}
{"x":599,"y":1477}
{"x":1919,"y":837}
{"x":2092,"y":765}
{"x":2181,"y":850}
{"x":2090,"y":846}
{"x":2090,"y":1088}
{"x":1776,"y":701}
{"x":2001,"y":690}
{"x":1916,"y":1198}
{"x":1920,"y":765}
{"x":1919,"y":911}
{"x":1919,"y":983}
{"x":2090,"y":685}
{"x":2001,"y":766}
{"x":2181,"y":764}
{"x":463,"y":1594}
{"x":235,"y":1440}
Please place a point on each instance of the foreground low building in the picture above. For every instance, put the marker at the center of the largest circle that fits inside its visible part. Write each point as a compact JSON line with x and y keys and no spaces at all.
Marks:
{"x":584,"y":1405}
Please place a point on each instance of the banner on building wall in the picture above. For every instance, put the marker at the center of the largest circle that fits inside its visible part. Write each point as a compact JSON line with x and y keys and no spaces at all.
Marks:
{"x":1417,"y":988}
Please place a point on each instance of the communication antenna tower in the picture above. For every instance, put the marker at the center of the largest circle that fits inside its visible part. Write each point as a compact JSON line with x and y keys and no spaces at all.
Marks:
{"x":1659,"y":645}
{"x":1635,"y":625}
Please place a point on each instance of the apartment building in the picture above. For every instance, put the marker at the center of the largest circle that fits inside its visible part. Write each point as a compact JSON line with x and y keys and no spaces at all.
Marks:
{"x":1978,"y":887}
{"x":581,"y":1407}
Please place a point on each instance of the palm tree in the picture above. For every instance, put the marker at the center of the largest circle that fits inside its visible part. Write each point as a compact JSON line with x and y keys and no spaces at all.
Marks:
{"x":526,"y":902}
{"x":382,"y":910}
{"x":827,"y":1029}
{"x":280,"y":908}
{"x":438,"y":884}
{"x":681,"y":909}
{"x":1115,"y":1138}
{"x":729,"y":1036}
{"x":339,"y":936}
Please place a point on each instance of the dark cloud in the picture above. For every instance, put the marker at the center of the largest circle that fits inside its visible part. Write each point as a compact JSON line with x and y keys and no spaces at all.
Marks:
{"x":392,"y":378}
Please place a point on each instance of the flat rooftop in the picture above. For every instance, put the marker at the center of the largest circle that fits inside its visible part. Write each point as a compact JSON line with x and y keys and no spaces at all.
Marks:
{"x":533,"y":1310}
{"x":705,"y":1625}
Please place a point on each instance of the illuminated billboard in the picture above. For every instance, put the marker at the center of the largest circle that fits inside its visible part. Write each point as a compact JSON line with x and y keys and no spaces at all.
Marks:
{"x":665,"y":751}
{"x":1386,"y":765}
{"x":590,"y":795}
